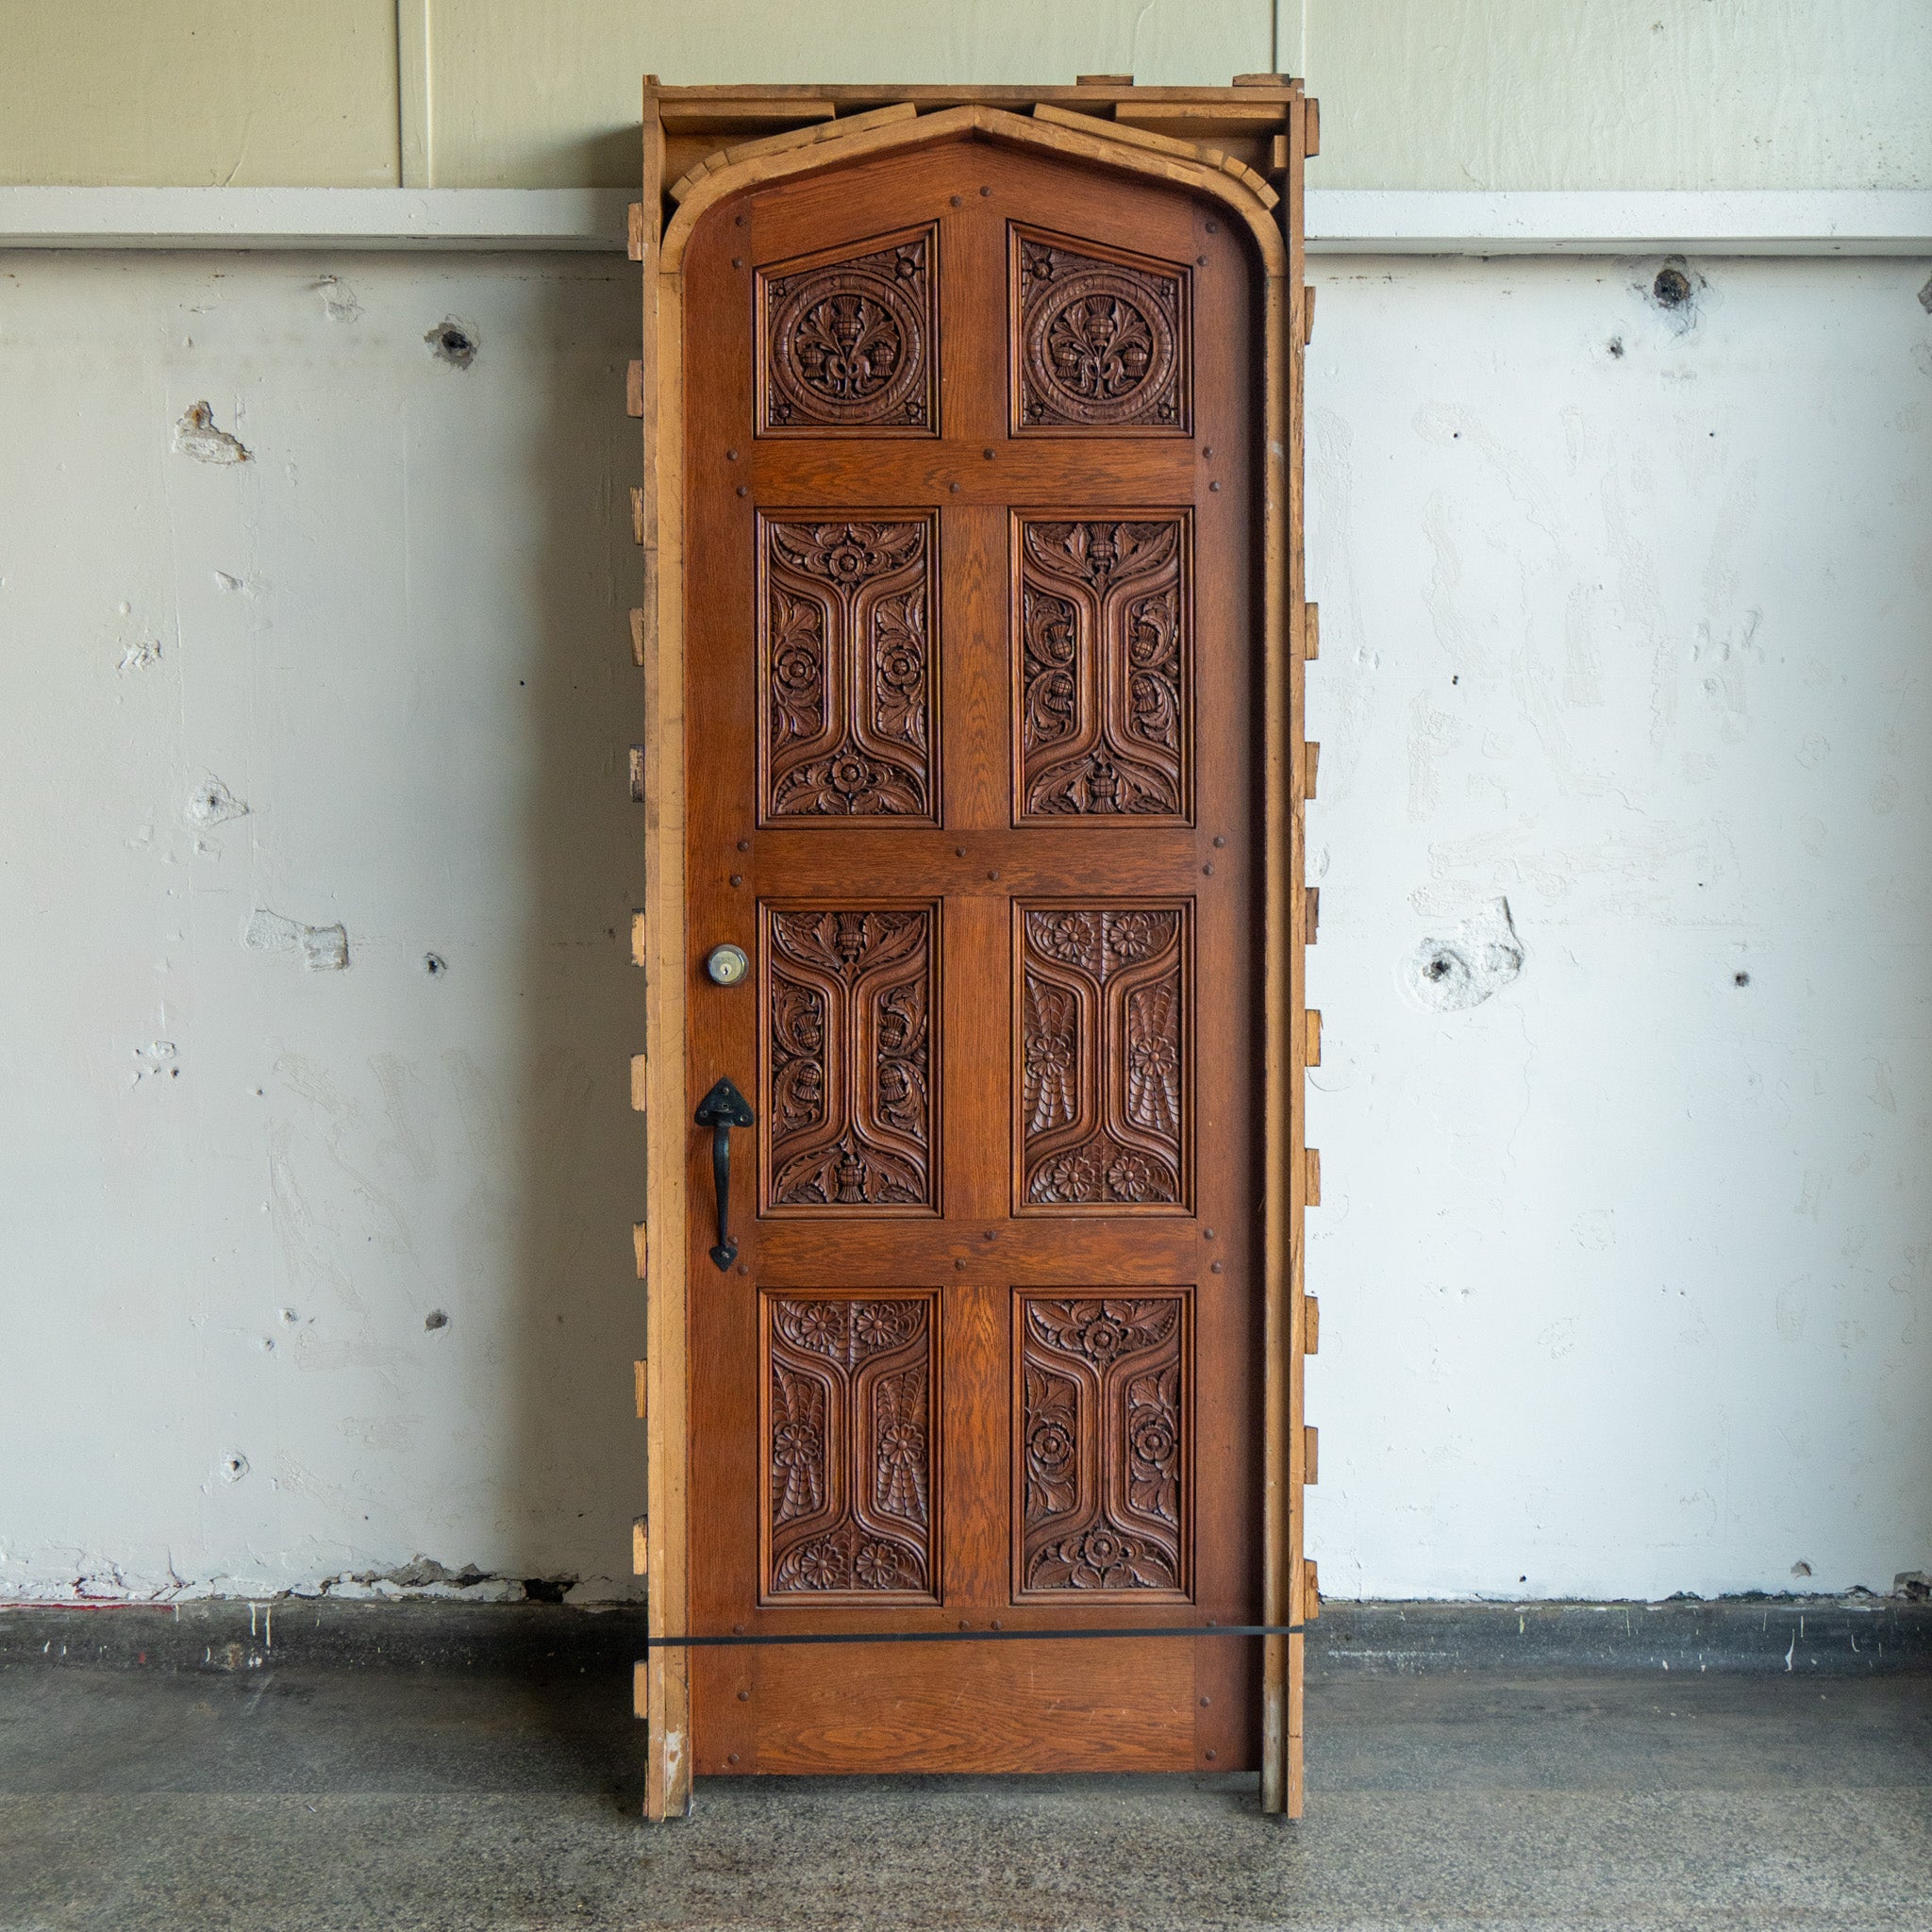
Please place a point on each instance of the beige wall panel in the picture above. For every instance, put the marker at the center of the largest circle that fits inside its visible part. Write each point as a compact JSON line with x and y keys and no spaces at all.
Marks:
{"x":531,"y":97}
{"x":1672,"y":93}
{"x":195,"y":93}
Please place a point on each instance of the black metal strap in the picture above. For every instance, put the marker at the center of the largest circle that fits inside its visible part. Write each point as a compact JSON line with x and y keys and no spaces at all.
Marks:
{"x":973,"y":1636}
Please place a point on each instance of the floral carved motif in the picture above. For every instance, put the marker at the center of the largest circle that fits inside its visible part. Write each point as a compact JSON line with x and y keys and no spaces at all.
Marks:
{"x":847,"y":685}
{"x":849,"y":1103}
{"x":1101,"y":339}
{"x":851,"y":344}
{"x":1105,"y":663}
{"x":1102,"y":1043}
{"x":848,"y":1445}
{"x":1102,"y":1460}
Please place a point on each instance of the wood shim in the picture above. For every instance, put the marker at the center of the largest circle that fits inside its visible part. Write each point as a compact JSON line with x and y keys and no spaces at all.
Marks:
{"x":1161,"y":144}
{"x":791,"y":138}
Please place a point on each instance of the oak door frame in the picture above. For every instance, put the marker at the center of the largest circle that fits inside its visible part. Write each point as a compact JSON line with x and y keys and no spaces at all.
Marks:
{"x":1269,"y":117}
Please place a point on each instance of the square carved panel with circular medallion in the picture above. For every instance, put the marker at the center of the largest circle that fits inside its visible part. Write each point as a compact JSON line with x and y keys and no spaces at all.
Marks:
{"x":1101,"y":339}
{"x":848,"y":339}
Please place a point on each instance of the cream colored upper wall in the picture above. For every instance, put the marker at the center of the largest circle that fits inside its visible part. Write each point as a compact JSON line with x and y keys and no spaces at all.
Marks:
{"x":1620,"y":94}
{"x":1416,"y":93}
{"x":198,"y":93}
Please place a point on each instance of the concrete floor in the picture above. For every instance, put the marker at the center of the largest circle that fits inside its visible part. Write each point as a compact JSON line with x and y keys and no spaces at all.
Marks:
{"x":293,"y":1798}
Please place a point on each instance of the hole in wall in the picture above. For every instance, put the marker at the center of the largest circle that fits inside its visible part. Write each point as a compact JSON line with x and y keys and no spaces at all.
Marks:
{"x":453,"y":341}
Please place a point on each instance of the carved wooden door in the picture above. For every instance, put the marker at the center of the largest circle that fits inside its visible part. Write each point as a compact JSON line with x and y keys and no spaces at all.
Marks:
{"x":972,"y":723}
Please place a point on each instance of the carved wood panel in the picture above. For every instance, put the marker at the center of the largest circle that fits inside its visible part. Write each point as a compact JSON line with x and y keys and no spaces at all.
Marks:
{"x":848,"y":339}
{"x":1101,"y":339}
{"x":850,"y":1441}
{"x":1105,"y":1045}
{"x":1102,"y":1413}
{"x":851,"y":1072}
{"x":848,"y":691}
{"x":1103,"y":652}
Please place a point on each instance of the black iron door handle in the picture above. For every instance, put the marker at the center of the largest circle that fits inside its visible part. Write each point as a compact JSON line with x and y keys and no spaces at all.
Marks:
{"x":723,"y":1109}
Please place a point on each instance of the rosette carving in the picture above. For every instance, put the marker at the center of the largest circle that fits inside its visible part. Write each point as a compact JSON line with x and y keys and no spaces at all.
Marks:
{"x":849,"y":342}
{"x":1101,"y":339}
{"x":1102,"y":1456}
{"x":847,"y":717}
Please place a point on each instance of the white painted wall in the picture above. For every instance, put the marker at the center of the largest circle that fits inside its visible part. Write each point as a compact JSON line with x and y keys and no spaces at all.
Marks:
{"x":1623,"y":1271}
{"x":1626,"y":1272}
{"x":233,"y":1191}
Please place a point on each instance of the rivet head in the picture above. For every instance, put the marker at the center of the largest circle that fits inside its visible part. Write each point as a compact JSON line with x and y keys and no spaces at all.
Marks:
{"x":1208,"y":869}
{"x":1205,"y":1701}
{"x":737,"y":877}
{"x":1207,"y":1233}
{"x":1214,"y":1267}
{"x":1214,"y":228}
{"x":1207,"y":1755}
{"x":745,"y":844}
{"x":1215,"y":485}
{"x":986,"y":190}
{"x":953,"y":487}
{"x":744,"y":1697}
{"x":732,"y":1757}
{"x":1220,"y":839}
{"x":1208,"y":451}
{"x":740,"y":219}
{"x":738,"y":261}
{"x":738,"y":1629}
{"x":988,"y":1235}
{"x":730,"y":455}
{"x":744,"y":490}
{"x":1200,"y":261}
{"x":987,"y":453}
{"x":959,"y":201}
{"x":959,"y":852}
{"x":960,"y":1263}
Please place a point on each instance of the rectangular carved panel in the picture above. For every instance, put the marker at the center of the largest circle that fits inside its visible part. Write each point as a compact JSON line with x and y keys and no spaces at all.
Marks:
{"x":847,"y":688}
{"x":1103,"y":667}
{"x":851,"y":1072}
{"x":848,"y":339}
{"x":1105,"y":1041}
{"x":849,"y":1439}
{"x":1103,"y":1411}
{"x":1101,"y":339}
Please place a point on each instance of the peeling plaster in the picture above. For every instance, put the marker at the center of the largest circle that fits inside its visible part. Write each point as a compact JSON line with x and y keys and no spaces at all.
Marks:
{"x":1473,"y":964}
{"x":196,"y":436}
{"x":323,"y":948}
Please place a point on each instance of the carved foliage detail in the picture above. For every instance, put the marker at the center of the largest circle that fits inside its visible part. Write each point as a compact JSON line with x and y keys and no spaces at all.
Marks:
{"x":1101,"y":339}
{"x":1102,"y":1458}
{"x":847,"y":679}
{"x":848,"y":1445}
{"x":849,"y":1065}
{"x":1105,"y":664}
{"x":1103,"y":1036}
{"x":851,"y":344}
